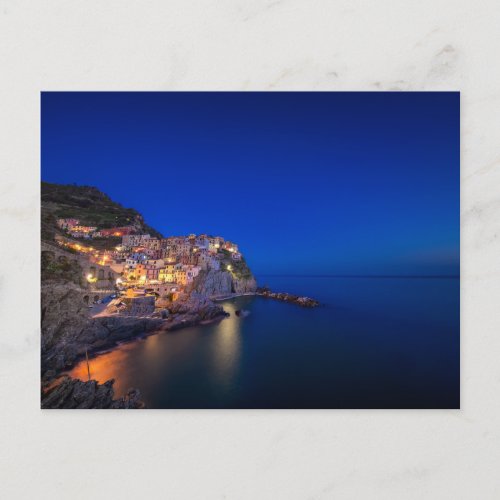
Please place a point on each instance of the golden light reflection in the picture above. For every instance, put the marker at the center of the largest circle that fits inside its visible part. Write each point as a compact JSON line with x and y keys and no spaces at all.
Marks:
{"x":164,"y":357}
{"x":227,"y":344}
{"x":105,"y":367}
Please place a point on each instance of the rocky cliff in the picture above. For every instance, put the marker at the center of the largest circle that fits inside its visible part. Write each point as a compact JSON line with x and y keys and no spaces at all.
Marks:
{"x":213,"y":283}
{"x":68,"y":330}
{"x":244,"y":284}
{"x":64,"y":313}
{"x":222,"y":283}
{"x":196,"y":307}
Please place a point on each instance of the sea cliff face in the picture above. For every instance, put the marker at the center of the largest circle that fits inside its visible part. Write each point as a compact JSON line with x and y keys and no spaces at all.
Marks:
{"x":222,"y":283}
{"x":213,"y":283}
{"x":64,"y":313}
{"x":244,"y":285}
{"x":68,"y":330}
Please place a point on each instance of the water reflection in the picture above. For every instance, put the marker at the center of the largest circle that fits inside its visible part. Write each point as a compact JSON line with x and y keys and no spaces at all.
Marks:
{"x":380,"y":343}
{"x":197,"y":359}
{"x":226,"y":346}
{"x":106,"y":366}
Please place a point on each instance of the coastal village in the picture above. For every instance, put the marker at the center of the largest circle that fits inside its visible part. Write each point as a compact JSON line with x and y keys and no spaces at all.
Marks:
{"x":143,"y":264}
{"x":108,"y":278}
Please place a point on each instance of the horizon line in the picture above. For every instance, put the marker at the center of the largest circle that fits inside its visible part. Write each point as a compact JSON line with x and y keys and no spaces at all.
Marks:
{"x":396,"y":276}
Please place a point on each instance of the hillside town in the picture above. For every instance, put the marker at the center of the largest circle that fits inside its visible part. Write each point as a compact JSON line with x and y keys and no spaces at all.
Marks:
{"x":108,"y":278}
{"x":145,"y":264}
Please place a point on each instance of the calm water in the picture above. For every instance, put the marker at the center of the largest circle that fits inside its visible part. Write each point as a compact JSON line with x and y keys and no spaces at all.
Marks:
{"x":376,"y":343}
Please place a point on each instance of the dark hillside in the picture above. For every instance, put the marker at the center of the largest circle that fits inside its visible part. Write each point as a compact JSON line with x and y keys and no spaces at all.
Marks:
{"x":91,"y":206}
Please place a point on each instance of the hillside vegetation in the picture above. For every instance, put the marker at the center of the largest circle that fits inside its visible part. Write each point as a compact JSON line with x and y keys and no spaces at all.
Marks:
{"x":91,"y":206}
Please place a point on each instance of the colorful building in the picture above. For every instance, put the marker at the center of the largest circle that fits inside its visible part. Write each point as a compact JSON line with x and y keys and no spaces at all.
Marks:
{"x":115,"y":231}
{"x":67,"y":224}
{"x":134,"y":240}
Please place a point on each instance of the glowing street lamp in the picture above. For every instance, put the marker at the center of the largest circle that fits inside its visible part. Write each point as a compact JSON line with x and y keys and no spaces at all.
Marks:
{"x":90,"y":278}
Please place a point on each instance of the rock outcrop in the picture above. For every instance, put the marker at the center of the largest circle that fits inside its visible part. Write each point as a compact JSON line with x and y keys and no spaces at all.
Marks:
{"x":64,"y":313}
{"x":73,"y":394}
{"x":244,"y":285}
{"x":68,"y":330}
{"x":223,"y":283}
{"x":287,"y":297}
{"x":213,"y":283}
{"x":196,"y":305}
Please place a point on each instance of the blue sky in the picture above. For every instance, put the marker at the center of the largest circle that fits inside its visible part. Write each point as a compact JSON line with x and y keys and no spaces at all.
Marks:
{"x":305,"y":183}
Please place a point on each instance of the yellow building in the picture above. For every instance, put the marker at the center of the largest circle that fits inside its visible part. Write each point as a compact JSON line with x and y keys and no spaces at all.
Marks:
{"x":181,"y":276}
{"x":167,"y":274}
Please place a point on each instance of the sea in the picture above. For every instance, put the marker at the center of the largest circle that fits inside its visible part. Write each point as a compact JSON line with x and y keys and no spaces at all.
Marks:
{"x":375,"y":342}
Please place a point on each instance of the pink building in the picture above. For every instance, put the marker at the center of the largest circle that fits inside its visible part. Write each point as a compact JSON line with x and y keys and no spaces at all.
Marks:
{"x":67,"y":224}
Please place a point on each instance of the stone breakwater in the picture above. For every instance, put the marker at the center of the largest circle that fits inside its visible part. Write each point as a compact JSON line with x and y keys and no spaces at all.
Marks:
{"x":287,"y":297}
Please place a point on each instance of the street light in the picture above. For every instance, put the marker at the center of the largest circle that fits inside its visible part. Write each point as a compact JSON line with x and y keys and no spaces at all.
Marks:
{"x":90,"y":278}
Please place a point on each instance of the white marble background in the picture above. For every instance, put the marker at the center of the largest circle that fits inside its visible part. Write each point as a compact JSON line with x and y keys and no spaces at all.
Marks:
{"x":249,"y":45}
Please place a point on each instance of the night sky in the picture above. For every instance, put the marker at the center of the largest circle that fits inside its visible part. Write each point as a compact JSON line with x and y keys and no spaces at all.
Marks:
{"x":305,"y":183}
